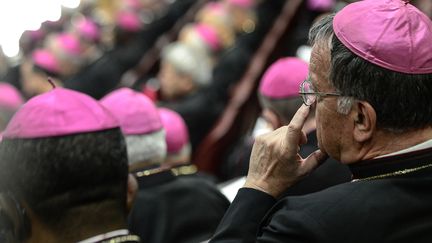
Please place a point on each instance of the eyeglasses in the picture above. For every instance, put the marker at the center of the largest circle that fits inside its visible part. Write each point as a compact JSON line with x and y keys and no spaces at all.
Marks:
{"x":309,"y":95}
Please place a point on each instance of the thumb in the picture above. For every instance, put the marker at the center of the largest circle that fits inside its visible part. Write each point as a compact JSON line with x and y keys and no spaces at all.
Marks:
{"x":313,"y":161}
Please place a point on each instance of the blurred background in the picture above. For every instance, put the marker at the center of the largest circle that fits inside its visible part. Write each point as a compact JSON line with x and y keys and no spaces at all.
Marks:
{"x":203,"y":59}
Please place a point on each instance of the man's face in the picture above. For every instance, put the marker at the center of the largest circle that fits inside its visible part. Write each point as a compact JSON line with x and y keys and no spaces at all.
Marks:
{"x":173,"y":84}
{"x":331,"y":125}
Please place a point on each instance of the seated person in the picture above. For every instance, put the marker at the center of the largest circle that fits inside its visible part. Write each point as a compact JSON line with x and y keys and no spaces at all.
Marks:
{"x":168,"y":208}
{"x":279,"y":97}
{"x":63,"y":158}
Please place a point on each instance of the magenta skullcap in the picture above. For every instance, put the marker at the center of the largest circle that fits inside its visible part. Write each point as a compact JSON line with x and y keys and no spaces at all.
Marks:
{"x":242,"y":3}
{"x":59,"y":112}
{"x":128,"y":20}
{"x":283,"y":78}
{"x":209,"y":36}
{"x":136,"y":113}
{"x":69,"y":44}
{"x":321,"y":5}
{"x":10,"y":97}
{"x":46,"y":60}
{"x":176,"y":132}
{"x":88,"y":29}
{"x":392,"y":34}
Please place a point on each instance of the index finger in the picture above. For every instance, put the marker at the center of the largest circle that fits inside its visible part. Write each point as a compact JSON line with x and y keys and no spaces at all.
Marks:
{"x":294,"y":129}
{"x":299,"y":118}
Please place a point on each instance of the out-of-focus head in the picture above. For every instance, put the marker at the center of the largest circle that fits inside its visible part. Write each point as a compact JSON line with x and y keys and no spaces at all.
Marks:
{"x":64,"y":157}
{"x":128,"y":21}
{"x":216,"y":15}
{"x":183,"y":70}
{"x":46,"y":61}
{"x":68,"y":50}
{"x":35,"y":72}
{"x":64,"y":45}
{"x":242,"y":14}
{"x":377,"y":56}
{"x":10,"y":97}
{"x":201,"y":36}
{"x":177,"y":136}
{"x":282,"y":79}
{"x":87,"y":30}
{"x":279,"y":89}
{"x":10,"y":102}
{"x":140,"y":123}
{"x":321,"y":5}
{"x":30,"y":40}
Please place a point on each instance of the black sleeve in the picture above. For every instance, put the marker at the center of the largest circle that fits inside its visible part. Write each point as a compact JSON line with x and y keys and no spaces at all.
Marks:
{"x":241,"y":221}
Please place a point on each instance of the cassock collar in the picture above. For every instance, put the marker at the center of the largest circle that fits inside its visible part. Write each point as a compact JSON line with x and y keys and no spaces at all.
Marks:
{"x":393,"y":165}
{"x":117,"y":236}
{"x":153,"y":176}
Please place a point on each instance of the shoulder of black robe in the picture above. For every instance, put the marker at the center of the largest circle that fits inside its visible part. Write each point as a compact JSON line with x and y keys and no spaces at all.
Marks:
{"x":130,"y":54}
{"x":233,"y":62}
{"x":183,"y":210}
{"x":98,"y":78}
{"x":394,"y":208}
{"x":200,"y":110}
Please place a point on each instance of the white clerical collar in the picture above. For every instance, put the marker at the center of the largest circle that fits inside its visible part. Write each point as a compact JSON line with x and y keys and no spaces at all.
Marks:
{"x":105,"y":236}
{"x":420,"y":146}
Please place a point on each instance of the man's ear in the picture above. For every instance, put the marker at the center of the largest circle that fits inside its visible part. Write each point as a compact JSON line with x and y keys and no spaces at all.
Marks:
{"x":132,"y":190}
{"x":364,"y":117}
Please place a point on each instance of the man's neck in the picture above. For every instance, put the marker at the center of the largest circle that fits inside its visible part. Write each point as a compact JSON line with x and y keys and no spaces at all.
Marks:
{"x":389,"y":143}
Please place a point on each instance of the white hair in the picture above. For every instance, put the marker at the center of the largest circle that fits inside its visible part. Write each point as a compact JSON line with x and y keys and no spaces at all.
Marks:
{"x":190,"y":61}
{"x":149,"y":147}
{"x":344,"y":104}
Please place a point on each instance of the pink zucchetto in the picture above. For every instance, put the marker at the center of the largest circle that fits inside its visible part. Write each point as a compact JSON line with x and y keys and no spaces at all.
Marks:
{"x":59,"y":112}
{"x":392,"y":34}
{"x":136,"y":113}
{"x":129,"y":21}
{"x":176,"y":132}
{"x":283,"y":78}
{"x":321,"y":5}
{"x":46,"y":60}
{"x":69,"y":44}
{"x":10,"y":98}
{"x":209,"y":36}
{"x":88,"y":29}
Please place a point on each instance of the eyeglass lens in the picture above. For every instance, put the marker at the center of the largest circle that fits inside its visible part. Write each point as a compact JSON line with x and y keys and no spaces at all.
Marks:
{"x":309,"y":99}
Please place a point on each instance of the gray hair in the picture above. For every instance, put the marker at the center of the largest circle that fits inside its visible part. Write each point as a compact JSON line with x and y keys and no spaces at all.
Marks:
{"x":149,"y":147}
{"x":385,"y":90}
{"x":189,"y":61}
{"x":322,"y":34}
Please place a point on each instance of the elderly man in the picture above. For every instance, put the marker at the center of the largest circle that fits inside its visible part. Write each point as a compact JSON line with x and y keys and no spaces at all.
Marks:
{"x":63,"y":163}
{"x":370,"y":85}
{"x":168,"y":208}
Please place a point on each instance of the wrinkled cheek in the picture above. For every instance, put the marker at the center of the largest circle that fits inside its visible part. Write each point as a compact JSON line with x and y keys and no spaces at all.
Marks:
{"x":323,"y":130}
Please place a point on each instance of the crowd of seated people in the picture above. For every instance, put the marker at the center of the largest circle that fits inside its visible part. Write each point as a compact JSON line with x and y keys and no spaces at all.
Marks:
{"x":87,"y":157}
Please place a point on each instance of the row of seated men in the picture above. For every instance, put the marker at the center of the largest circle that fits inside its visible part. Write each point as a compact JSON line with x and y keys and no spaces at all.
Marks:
{"x":120,"y":165}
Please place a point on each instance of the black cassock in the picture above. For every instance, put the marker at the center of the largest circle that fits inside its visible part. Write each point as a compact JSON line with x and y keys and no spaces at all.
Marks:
{"x":178,"y":209}
{"x":389,"y":200}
